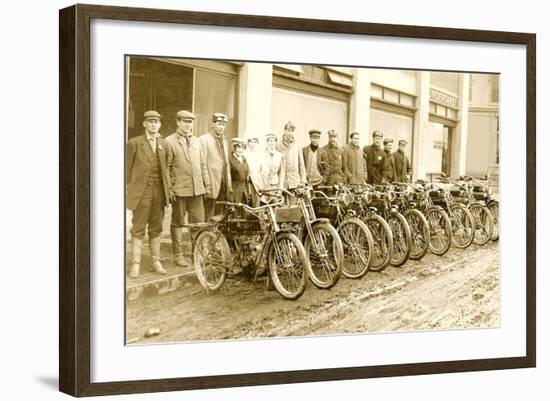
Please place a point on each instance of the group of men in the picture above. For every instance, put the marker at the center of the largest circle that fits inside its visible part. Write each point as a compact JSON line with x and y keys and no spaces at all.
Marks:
{"x":191,"y":173}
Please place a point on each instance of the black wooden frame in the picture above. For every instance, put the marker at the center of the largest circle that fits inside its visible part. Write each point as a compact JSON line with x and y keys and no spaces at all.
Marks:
{"x":74,"y":199}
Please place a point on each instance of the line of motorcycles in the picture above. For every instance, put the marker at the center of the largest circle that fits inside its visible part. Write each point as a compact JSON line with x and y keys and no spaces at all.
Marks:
{"x":319,"y":234}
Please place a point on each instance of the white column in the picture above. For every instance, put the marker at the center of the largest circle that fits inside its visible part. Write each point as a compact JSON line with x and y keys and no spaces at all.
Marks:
{"x":255,"y":82}
{"x":421,"y":126}
{"x":460,"y":134}
{"x":360,"y":106}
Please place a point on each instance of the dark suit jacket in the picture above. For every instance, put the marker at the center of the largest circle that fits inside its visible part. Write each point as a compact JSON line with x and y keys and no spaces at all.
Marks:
{"x":321,"y":162}
{"x":139,"y":156}
{"x":376,"y":163}
{"x":239,"y":176}
{"x":402,"y":166}
{"x":389,"y":168}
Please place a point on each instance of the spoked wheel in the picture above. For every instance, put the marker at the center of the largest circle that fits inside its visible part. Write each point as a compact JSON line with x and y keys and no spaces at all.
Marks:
{"x":288,"y":265}
{"x":463,"y":224}
{"x":212,"y":259}
{"x":325,"y":256}
{"x":484,"y":224}
{"x":358,"y":246}
{"x":494,"y":208}
{"x":382,"y":240}
{"x":420,"y":233}
{"x":441,"y":231}
{"x":401,"y":233}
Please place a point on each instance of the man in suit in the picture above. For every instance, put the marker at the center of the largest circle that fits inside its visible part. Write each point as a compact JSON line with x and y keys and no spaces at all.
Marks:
{"x":148,"y":190}
{"x":375,"y":158}
{"x":389,"y":166}
{"x":314,"y":159}
{"x":239,"y":171}
{"x":295,"y":169}
{"x":334,"y":159}
{"x":253,"y":156}
{"x":402,"y":164}
{"x":354,"y":162}
{"x":189,"y":179}
{"x":216,"y":151}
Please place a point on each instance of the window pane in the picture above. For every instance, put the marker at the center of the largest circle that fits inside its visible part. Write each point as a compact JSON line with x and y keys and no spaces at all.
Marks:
{"x":215,"y":93}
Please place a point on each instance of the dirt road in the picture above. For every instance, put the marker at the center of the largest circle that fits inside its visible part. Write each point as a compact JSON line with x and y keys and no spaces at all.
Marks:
{"x":458,"y":290}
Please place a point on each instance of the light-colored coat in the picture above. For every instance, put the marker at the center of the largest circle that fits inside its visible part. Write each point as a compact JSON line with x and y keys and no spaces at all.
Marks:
{"x":215,"y":163}
{"x":187,"y":166}
{"x":272,"y":170}
{"x":295,"y":168}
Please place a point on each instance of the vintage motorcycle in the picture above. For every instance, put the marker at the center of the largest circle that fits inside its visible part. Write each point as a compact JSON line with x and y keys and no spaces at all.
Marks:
{"x":355,"y":235}
{"x":227,"y":245}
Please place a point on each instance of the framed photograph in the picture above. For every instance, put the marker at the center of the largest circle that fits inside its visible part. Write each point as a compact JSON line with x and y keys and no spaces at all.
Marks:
{"x":250,"y":200}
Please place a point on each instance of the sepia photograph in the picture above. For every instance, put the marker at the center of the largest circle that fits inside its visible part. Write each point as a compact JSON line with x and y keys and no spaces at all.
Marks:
{"x":270,"y":200}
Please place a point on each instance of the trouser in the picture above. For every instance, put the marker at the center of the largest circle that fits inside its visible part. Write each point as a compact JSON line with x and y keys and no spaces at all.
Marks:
{"x":149,"y":213}
{"x":210,"y":207}
{"x":192,"y":205}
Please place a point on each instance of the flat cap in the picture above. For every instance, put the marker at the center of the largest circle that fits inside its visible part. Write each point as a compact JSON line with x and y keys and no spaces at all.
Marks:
{"x":290,"y":126}
{"x":219,"y":117}
{"x":185,"y":115}
{"x":314,"y":132}
{"x":388,"y":140}
{"x":402,"y":142}
{"x":271,"y":135}
{"x":151,"y":115}
{"x":332,"y":133}
{"x":238,"y":141}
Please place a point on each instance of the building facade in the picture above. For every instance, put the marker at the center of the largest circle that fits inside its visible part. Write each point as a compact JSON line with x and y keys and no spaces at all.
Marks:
{"x":450,"y":120}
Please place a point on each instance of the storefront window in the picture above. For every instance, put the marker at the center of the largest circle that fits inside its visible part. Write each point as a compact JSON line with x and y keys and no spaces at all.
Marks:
{"x":214,"y":93}
{"x":308,"y":111}
{"x":393,"y":126}
{"x":157,"y":85}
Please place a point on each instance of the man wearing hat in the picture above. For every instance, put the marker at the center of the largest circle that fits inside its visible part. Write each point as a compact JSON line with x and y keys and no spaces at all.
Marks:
{"x":354,"y":162}
{"x":389,"y":164}
{"x":295,"y":169}
{"x":238,"y":167}
{"x":401,"y":161}
{"x":189,"y":178}
{"x":216,"y":149}
{"x":375,"y":158}
{"x":334,"y":156}
{"x":314,"y":160}
{"x":148,"y":190}
{"x":272,"y":171}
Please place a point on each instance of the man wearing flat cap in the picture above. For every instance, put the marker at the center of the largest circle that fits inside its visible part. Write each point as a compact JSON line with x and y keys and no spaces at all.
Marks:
{"x":148,"y":190}
{"x":401,"y":161}
{"x":334,"y":156}
{"x":314,"y":159}
{"x":295,"y":169}
{"x":217,"y":152}
{"x":354,"y":163}
{"x":272,"y":169}
{"x":189,"y":178}
{"x":375,"y":158}
{"x":389,"y":164}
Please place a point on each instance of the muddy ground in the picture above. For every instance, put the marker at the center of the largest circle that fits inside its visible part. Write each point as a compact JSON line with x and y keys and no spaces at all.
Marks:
{"x":457,"y":290}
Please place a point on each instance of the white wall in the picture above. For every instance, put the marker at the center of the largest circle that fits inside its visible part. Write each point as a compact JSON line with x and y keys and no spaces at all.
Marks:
{"x":29,"y":305}
{"x":401,"y":80}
